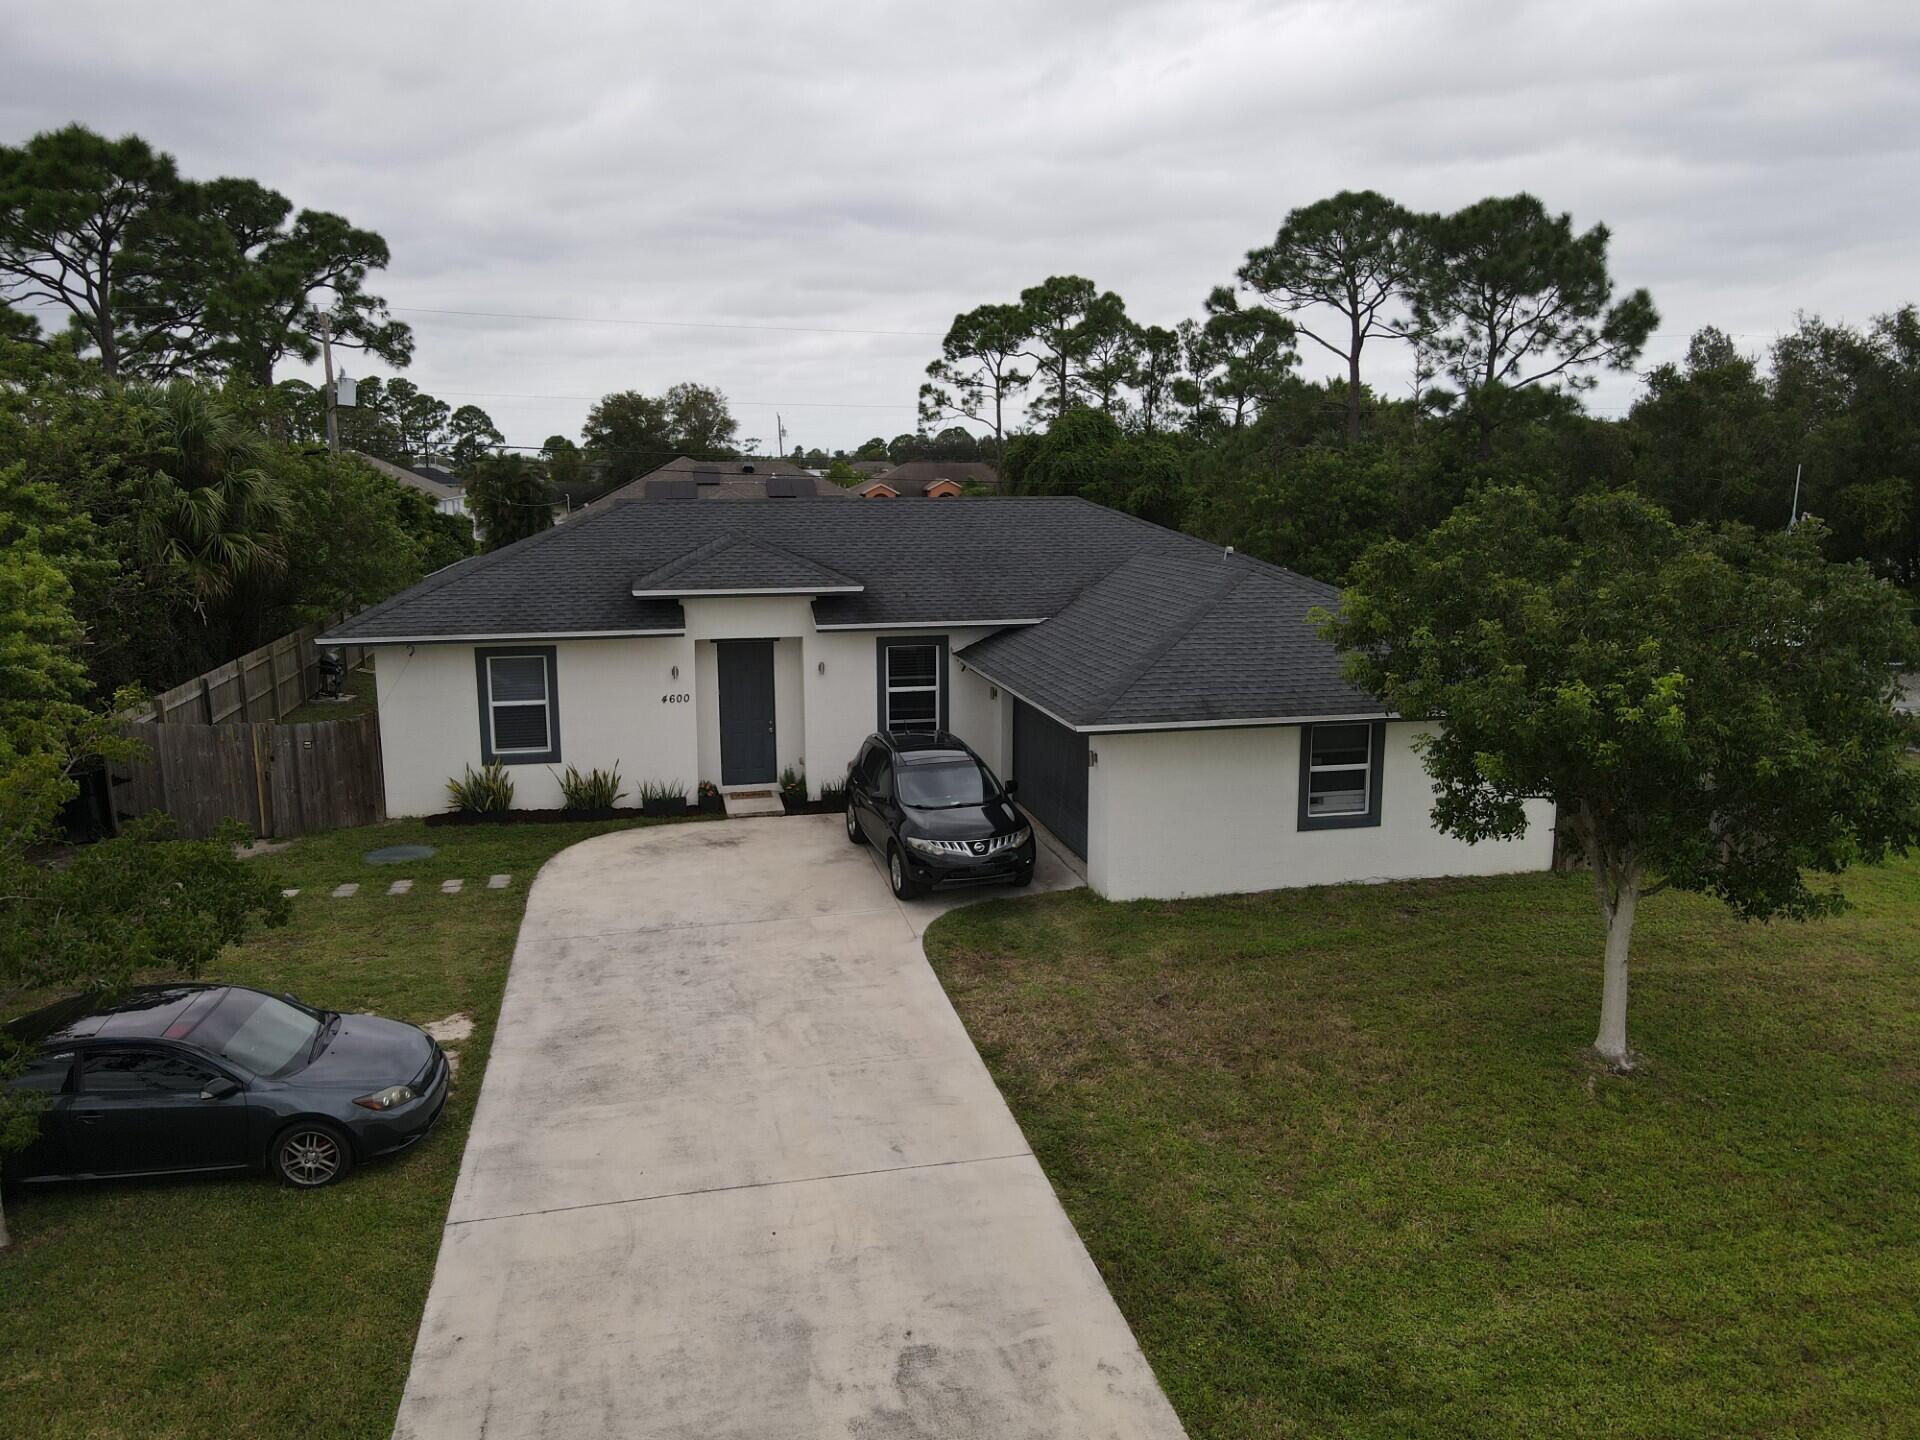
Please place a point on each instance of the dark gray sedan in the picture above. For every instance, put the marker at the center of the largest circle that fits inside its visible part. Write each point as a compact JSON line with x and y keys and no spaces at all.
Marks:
{"x":165,"y":1079}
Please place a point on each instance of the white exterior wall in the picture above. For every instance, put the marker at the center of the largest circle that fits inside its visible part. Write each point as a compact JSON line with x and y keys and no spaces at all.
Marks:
{"x":1212,"y":812}
{"x":614,"y":705}
{"x":611,"y":713}
{"x":843,"y":705}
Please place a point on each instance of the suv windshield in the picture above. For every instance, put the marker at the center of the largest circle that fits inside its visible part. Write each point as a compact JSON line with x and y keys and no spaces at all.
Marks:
{"x":946,"y":784}
{"x":258,"y":1032}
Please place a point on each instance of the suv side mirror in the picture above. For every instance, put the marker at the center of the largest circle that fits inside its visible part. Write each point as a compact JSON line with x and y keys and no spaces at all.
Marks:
{"x":220,"y":1087}
{"x":1012,"y":787}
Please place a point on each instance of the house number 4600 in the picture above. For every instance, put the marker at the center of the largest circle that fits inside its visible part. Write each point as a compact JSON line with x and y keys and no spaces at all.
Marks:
{"x":675,"y":699}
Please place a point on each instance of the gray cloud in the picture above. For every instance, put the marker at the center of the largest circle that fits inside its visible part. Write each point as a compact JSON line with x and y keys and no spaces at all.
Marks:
{"x":880,"y":166}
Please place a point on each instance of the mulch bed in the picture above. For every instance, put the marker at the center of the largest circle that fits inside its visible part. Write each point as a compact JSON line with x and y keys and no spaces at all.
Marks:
{"x":548,"y":817}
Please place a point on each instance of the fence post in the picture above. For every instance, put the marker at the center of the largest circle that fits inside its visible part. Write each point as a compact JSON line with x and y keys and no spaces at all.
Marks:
{"x":206,"y":698}
{"x":273,"y":682}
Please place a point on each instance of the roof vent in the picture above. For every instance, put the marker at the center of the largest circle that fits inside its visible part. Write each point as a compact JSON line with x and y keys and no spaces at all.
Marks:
{"x":746,"y":469}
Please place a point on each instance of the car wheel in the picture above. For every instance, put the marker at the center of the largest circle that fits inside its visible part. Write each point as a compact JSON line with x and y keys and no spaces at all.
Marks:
{"x":1025,"y":877}
{"x":905,"y":887}
{"x":310,"y":1155}
{"x":854,"y":837}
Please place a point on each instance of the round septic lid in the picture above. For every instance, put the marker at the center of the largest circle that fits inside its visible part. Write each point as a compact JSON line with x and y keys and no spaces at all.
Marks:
{"x":398,"y":854}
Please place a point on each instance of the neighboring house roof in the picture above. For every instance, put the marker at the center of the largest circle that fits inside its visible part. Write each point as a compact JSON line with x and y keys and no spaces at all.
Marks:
{"x":915,"y":476}
{"x":735,"y":565}
{"x":1178,"y":637}
{"x":1117,"y":622}
{"x":723,"y":480}
{"x":412,"y":479}
{"x":871,"y":467}
{"x":438,"y":472}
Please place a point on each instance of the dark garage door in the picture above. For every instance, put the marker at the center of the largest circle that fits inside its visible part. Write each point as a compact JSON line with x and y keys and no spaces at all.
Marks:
{"x":1050,"y":764}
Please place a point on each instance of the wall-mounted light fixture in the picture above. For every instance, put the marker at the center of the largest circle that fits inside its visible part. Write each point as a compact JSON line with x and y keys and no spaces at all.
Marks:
{"x":993,"y":692}
{"x":676,"y":672}
{"x":823,"y":667}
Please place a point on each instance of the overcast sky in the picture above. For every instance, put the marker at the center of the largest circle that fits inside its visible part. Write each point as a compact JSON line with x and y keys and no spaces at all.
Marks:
{"x":835,"y":181}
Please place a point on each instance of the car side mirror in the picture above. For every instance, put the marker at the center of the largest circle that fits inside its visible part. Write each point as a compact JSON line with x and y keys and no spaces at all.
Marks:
{"x":1012,"y":787}
{"x":220,"y":1087}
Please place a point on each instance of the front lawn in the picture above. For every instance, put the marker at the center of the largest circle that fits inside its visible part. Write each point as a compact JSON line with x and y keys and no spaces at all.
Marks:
{"x":234,"y":1307}
{"x":1344,"y":1161}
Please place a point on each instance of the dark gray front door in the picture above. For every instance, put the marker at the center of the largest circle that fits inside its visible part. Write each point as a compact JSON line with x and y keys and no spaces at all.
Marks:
{"x":1050,"y":762}
{"x":746,"y":712}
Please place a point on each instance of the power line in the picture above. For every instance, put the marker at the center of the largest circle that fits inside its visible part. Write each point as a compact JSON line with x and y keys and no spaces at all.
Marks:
{"x":783,"y":404}
{"x":666,"y":324}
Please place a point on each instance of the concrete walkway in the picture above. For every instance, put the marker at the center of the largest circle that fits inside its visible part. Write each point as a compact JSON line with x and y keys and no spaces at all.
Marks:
{"x":737,"y":1171}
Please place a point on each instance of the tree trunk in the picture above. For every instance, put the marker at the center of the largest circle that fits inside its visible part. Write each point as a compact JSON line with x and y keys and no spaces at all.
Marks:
{"x":1618,"y":912}
{"x":1353,"y":380}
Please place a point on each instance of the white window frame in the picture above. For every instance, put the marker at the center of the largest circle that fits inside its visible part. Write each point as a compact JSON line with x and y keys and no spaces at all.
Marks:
{"x":1370,"y":773}
{"x":938,"y":689}
{"x":548,"y":703}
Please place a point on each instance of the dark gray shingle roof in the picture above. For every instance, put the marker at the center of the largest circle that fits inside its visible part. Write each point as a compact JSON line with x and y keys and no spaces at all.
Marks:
{"x":732,"y":564}
{"x":1175,"y":637}
{"x":1143,"y":626}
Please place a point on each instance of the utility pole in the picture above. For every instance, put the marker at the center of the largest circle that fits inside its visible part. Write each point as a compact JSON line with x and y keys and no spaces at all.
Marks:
{"x":326,"y":353}
{"x":780,"y":436}
{"x":1793,"y":515}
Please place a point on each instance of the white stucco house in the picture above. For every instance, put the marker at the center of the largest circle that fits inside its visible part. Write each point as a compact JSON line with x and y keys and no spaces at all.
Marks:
{"x":1168,"y":709}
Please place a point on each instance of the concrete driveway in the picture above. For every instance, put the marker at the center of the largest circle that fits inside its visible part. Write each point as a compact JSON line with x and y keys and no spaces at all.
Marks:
{"x":737,"y":1171}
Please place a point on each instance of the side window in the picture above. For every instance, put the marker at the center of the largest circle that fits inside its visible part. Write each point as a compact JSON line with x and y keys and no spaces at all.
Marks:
{"x":140,"y":1072}
{"x":519,"y":705}
{"x":883,"y":777}
{"x":1340,"y":775}
{"x":47,"y":1074}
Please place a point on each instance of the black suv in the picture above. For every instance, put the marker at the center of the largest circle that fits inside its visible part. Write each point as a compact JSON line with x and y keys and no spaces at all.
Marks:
{"x":938,"y":812}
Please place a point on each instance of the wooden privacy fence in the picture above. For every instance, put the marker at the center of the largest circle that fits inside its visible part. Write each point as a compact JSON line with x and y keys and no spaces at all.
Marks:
{"x":279,"y":780}
{"x":262,"y":684}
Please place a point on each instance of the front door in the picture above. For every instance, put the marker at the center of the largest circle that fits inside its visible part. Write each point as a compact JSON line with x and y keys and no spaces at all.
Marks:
{"x":746,"y":712}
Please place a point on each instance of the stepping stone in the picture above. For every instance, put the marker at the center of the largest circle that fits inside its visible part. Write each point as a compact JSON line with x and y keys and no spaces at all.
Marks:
{"x":451,"y":887}
{"x":289,"y":893}
{"x":341,"y":892}
{"x":752,"y":802}
{"x":399,"y":887}
{"x":499,"y":882}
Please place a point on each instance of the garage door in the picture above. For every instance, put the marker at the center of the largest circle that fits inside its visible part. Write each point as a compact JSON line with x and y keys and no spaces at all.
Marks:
{"x":1050,"y":762}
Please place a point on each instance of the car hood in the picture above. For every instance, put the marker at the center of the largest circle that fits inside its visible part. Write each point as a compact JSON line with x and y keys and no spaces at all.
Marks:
{"x":368,"y":1051}
{"x":969,"y":822}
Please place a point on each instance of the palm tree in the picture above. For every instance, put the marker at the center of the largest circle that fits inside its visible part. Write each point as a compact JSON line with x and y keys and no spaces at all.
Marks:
{"x":210,"y":514}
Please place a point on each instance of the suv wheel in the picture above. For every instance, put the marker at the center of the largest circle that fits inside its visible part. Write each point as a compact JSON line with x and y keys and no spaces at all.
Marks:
{"x":854,"y":837}
{"x":310,"y":1155}
{"x":905,"y":887}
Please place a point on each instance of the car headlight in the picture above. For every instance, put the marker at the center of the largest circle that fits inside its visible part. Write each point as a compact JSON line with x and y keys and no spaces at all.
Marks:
{"x":1022,"y":835}
{"x":386,"y":1099}
{"x":925,"y":847}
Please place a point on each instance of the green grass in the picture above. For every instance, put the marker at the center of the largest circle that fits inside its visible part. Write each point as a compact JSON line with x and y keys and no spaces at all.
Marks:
{"x":237,"y":1308}
{"x":1348,"y":1169}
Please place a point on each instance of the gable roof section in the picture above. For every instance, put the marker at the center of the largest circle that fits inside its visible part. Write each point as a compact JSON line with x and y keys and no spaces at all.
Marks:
{"x":912,"y":477}
{"x":997,"y":560}
{"x":412,"y":479}
{"x":734,"y":564}
{"x":719,"y":480}
{"x":1178,"y":638}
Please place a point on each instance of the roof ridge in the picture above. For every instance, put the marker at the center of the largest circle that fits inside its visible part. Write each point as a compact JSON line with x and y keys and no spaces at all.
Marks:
{"x":1222,"y":587}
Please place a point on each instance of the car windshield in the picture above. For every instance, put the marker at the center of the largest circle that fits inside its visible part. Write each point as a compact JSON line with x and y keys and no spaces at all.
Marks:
{"x":258,"y":1032}
{"x":946,"y":784}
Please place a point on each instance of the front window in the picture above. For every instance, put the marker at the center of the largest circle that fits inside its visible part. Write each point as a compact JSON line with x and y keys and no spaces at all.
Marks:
{"x":1340,"y":775}
{"x":911,"y":677}
{"x":260,"y":1033}
{"x":519,"y":711}
{"x":946,"y":785}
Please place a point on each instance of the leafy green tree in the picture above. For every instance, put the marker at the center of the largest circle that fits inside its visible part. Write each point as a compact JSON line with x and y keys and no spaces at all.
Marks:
{"x":1510,"y":296}
{"x":905,"y":447}
{"x":1707,"y":438}
{"x":75,"y":208}
{"x":953,"y":443}
{"x":509,"y":501}
{"x":700,"y":422}
{"x":1709,"y":710}
{"x":140,"y":903}
{"x":1055,"y":315}
{"x":211,"y":513}
{"x":42,"y":680}
{"x":471,"y":437}
{"x":421,"y":422}
{"x":874,"y":449}
{"x":1158,"y":363}
{"x":976,"y":375}
{"x":1237,"y":362}
{"x":1356,"y":254}
{"x":1109,"y":353}
{"x":631,"y":432}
